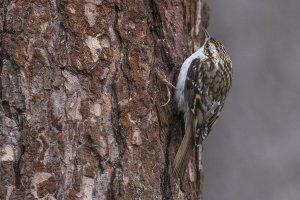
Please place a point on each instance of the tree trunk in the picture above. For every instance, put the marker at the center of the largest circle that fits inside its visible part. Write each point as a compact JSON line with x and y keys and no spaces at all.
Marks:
{"x":81,"y":112}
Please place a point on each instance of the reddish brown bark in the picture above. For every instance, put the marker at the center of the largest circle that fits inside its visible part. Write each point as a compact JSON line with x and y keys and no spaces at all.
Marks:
{"x":81,"y":113}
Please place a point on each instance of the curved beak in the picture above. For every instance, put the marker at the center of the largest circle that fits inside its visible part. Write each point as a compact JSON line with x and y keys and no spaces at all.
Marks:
{"x":205,"y":32}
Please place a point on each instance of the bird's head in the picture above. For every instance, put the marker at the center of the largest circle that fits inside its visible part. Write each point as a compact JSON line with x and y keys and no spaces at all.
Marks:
{"x":214,"y":49}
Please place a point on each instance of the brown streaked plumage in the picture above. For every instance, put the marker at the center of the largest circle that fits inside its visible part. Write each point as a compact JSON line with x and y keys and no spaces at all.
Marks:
{"x":204,"y":81}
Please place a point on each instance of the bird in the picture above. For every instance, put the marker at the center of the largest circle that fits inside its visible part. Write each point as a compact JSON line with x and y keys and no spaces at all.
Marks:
{"x":204,"y":81}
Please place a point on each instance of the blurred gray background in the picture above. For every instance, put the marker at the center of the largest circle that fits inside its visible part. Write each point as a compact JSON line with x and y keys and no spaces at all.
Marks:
{"x":253,"y":151}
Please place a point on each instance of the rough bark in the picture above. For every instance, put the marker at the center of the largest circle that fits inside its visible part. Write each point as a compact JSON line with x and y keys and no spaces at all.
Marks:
{"x":80,"y":110}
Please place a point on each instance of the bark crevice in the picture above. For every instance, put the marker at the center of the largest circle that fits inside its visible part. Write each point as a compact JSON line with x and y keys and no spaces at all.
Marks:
{"x":80,"y":107}
{"x":17,"y":167}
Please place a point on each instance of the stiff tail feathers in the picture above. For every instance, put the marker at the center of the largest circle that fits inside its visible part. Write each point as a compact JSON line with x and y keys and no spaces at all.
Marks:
{"x":184,"y":152}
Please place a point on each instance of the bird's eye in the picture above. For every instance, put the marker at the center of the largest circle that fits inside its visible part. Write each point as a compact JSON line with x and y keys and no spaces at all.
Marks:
{"x":207,"y":45}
